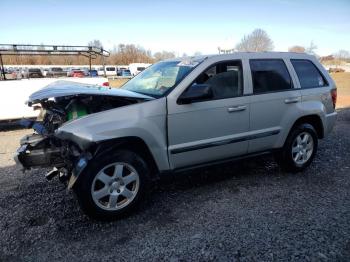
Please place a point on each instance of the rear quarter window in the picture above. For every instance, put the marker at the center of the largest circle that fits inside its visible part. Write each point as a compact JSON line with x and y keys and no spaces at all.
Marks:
{"x":308,"y":74}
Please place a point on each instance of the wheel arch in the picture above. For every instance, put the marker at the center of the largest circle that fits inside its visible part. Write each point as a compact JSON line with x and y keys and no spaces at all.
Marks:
{"x":132,"y":143}
{"x":285,"y":156}
{"x":314,"y":120}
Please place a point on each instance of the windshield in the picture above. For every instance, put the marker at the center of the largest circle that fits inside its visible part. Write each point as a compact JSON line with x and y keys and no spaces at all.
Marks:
{"x":160,"y":78}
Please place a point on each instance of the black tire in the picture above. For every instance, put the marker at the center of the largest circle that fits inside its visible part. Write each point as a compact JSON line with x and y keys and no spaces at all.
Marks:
{"x":83,"y":187}
{"x":285,"y":157}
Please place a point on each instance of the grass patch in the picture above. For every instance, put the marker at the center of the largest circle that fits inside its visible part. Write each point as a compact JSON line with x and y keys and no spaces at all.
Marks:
{"x":117,"y":82}
{"x":342,"y":80}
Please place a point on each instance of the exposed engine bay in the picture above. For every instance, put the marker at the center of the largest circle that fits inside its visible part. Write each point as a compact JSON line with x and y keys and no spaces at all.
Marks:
{"x":57,"y":111}
{"x":59,"y":103}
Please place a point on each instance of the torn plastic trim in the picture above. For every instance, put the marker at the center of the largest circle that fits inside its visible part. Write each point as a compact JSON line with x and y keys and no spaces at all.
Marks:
{"x":37,"y":126}
{"x":78,"y":169}
{"x":28,"y":156}
{"x":82,"y":143}
{"x":16,"y":157}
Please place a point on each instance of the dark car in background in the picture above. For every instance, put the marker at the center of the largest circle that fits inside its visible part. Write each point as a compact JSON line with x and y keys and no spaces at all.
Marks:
{"x":336,"y":70}
{"x":32,"y":73}
{"x":92,"y":73}
{"x":56,"y":72}
{"x":124,"y":72}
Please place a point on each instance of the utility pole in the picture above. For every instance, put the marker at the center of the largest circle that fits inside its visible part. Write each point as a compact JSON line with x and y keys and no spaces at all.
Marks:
{"x":2,"y":68}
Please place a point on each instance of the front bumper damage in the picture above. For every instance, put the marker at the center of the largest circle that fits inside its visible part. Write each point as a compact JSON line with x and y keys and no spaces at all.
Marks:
{"x":67,"y":160}
{"x":61,"y":103}
{"x":37,"y":151}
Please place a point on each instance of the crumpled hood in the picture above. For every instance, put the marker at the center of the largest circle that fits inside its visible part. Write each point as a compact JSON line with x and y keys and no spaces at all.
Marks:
{"x":69,"y":88}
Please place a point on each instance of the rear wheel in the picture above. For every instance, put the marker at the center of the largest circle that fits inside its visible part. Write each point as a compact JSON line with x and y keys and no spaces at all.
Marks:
{"x":299,"y":149}
{"x":112,"y":185}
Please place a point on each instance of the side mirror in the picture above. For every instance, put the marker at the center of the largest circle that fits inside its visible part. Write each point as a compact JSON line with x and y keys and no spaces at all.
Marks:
{"x":195,"y":92}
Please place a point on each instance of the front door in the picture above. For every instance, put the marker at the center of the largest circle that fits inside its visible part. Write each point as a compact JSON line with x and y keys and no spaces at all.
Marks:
{"x":212,"y":129}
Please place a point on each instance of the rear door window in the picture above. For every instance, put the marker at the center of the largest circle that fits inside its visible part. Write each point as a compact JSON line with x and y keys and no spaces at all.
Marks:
{"x":269,"y":75}
{"x":308,"y":74}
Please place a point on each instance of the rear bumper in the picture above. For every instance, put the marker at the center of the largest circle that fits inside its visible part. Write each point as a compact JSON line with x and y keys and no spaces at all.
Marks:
{"x":330,"y":122}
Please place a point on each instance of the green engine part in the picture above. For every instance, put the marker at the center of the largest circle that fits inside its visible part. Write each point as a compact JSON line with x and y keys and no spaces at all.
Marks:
{"x":75,"y":111}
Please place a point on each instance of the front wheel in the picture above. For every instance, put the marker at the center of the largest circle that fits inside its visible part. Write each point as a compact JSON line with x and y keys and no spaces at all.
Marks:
{"x":112,"y":185}
{"x":299,"y":149}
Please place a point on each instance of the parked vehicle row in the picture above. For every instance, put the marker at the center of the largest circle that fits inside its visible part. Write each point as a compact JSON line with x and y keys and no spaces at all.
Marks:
{"x":115,"y":71}
{"x":51,"y":72}
{"x":127,"y":71}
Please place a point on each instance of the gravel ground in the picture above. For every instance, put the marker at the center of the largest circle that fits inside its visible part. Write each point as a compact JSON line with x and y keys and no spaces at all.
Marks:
{"x":242,"y":212}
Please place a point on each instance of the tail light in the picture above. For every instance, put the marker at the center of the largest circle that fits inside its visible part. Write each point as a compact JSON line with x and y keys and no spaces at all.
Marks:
{"x":105,"y":84}
{"x":334,"y":96}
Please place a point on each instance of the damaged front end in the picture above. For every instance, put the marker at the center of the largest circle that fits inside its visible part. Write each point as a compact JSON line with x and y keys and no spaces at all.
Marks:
{"x":45,"y":150}
{"x":59,"y":103}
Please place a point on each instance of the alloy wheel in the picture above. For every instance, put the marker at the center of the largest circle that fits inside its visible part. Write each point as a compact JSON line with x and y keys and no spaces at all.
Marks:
{"x":302,"y":148}
{"x":115,"y":186}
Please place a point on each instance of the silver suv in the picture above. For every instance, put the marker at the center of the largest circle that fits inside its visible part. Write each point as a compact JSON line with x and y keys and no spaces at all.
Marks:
{"x":109,"y":144}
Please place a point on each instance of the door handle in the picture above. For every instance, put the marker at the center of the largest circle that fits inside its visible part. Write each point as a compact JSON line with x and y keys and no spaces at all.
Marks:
{"x":292,"y":100}
{"x":236,"y":109}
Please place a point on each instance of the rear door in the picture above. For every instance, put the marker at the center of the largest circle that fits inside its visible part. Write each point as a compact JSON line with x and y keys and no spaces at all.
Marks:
{"x":274,"y":103}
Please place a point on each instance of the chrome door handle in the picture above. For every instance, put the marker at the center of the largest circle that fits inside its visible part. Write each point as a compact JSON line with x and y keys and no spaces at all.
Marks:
{"x":292,"y":100}
{"x":236,"y":109}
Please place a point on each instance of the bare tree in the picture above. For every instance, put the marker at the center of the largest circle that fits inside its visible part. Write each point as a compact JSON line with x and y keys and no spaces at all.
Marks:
{"x":197,"y":53}
{"x":297,"y":49}
{"x":311,"y":49}
{"x":257,"y":41}
{"x":163,"y":55}
{"x":128,"y":53}
{"x":342,"y":55}
{"x":95,"y":43}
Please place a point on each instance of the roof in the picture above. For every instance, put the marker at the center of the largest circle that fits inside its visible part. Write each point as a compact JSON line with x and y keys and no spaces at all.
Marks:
{"x":249,"y":55}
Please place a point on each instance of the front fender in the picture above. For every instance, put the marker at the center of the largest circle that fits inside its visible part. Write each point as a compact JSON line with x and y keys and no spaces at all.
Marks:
{"x":146,"y":121}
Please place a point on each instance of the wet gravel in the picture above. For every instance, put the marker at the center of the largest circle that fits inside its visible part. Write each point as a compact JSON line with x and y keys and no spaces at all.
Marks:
{"x":239,"y":212}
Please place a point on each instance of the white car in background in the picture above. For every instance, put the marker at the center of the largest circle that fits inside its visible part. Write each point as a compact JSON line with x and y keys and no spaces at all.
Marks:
{"x":100,"y":71}
{"x":109,"y":69}
{"x":136,"y":68}
{"x":17,"y":92}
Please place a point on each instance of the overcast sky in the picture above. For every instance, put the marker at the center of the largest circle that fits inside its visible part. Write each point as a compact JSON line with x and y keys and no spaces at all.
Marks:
{"x":182,"y":26}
